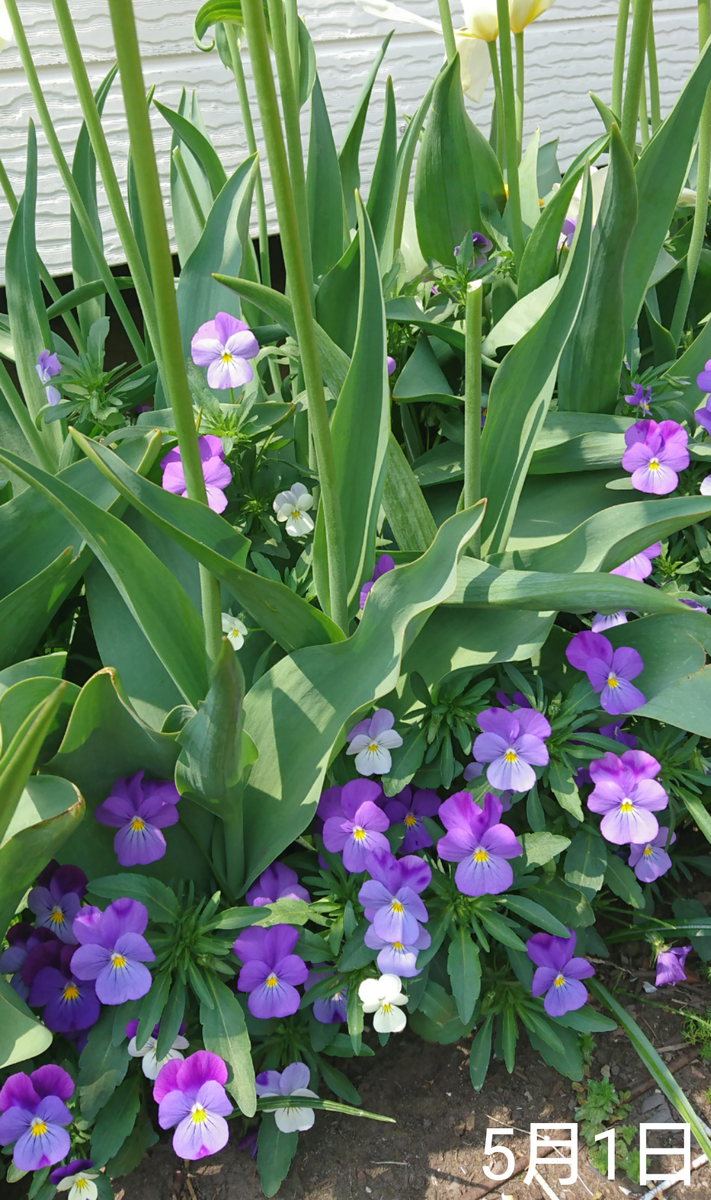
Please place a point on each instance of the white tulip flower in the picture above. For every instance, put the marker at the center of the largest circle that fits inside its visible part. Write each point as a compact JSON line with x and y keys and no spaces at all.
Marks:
{"x":522,"y":12}
{"x":6,"y":33}
{"x":393,"y":12}
{"x":384,"y":998}
{"x":234,"y":630}
{"x":474,"y":64}
{"x":481,"y":19}
{"x":292,"y":507}
{"x":150,"y":1064}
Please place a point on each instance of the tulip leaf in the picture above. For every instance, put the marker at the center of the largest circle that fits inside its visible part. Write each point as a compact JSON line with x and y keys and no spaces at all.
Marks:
{"x":337,"y":298}
{"x":200,"y":146}
{"x":23,"y":1036}
{"x":85,"y":269}
{"x":538,"y":262}
{"x":191,"y":199}
{"x":26,"y":612}
{"x":406,"y":509}
{"x":401,"y":186}
{"x":380,"y":193}
{"x":215,"y":11}
{"x":349,"y":154}
{"x":209,"y":765}
{"x":327,"y":215}
{"x":20,"y":752}
{"x":462,"y":637}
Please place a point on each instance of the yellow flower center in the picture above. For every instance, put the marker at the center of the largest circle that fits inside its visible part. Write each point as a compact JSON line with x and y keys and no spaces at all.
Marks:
{"x":410,"y":820}
{"x":81,"y":1184}
{"x":295,"y":514}
{"x":481,"y":855}
{"x":272,"y":980}
{"x":647,"y":851}
{"x":137,"y":824}
{"x":559,"y":981}
{"x":373,"y":748}
{"x":118,"y":962}
{"x":56,"y":916}
{"x":38,"y":1127}
{"x":226,"y":356}
{"x":71,"y":991}
{"x":654,"y":464}
{"x":385,"y":1007}
{"x":612,"y":681}
{"x":358,"y":833}
{"x":626,"y":806}
{"x":396,"y":906}
{"x":398,"y":946}
{"x":510,"y":756}
{"x":198,"y":1116}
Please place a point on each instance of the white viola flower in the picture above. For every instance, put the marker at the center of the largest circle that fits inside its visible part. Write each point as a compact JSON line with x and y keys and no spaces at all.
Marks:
{"x":371,"y":741}
{"x":393,"y":12}
{"x":79,"y":1186}
{"x":292,"y":1081}
{"x":292,"y":507}
{"x":383,"y":997}
{"x":150,"y":1064}
{"x":234,"y":630}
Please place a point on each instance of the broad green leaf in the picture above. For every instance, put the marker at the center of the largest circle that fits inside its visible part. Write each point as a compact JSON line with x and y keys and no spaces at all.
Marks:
{"x":209,"y":765}
{"x":480,"y":1054}
{"x":20,"y":752}
{"x":464,"y":971}
{"x":536,"y":913}
{"x":47,"y":665}
{"x":102,"y":1066}
{"x":538,"y":260}
{"x":225,"y":1033}
{"x":23,"y":1036}
{"x":327,"y":216}
{"x":380,"y":193}
{"x":116,"y":1121}
{"x":26,"y":612}
{"x":518,"y":320}
{"x":200,"y":146}
{"x":85,"y":269}
{"x":422,"y":378}
{"x":275,"y":1151}
{"x":190,"y":204}
{"x":489,"y":179}
{"x":406,"y":509}
{"x":675,"y":680}
{"x":407,"y":310}
{"x":215,"y":11}
{"x":160,"y":900}
{"x":349,"y":154}
{"x":403,"y":169}
{"x":462,"y":637}
{"x":19,"y":700}
{"x":585,"y":863}
{"x":337,"y":307}
{"x":622,"y":881}
{"x":540,"y":848}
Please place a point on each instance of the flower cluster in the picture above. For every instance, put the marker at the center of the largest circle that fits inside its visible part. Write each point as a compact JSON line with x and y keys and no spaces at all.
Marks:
{"x":393,"y":906}
{"x":140,"y":809}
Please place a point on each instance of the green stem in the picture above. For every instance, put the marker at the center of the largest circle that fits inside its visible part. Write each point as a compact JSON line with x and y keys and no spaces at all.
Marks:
{"x":301,"y":295}
{"x":635,"y":72}
{"x":518,"y":42}
{"x":243,"y":97}
{"x":161,"y":265}
{"x":24,"y":420}
{"x":70,"y":186}
{"x":472,"y":403}
{"x":189,"y":186}
{"x":643,"y":115}
{"x":507,"y":85}
{"x":292,"y":36}
{"x":445,"y":17}
{"x":618,"y":65}
{"x":499,"y":101}
{"x":654,"y":100}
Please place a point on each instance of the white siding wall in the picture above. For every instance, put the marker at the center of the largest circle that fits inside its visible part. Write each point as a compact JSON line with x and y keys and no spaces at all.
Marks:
{"x":569,"y":52}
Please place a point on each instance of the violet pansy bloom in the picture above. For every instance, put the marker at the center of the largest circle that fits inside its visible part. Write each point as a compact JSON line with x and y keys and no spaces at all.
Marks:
{"x":140,"y":811}
{"x":292,"y":1081}
{"x":69,"y":1003}
{"x":641,"y":396}
{"x":47,"y":366}
{"x":34,"y":1114}
{"x":702,"y":415}
{"x":330,"y":1009}
{"x":601,"y":622}
{"x":216,"y":473}
{"x":408,"y":808}
{"x":391,"y":896}
{"x":224,"y":346}
{"x":558,"y":973}
{"x":511,"y":743}
{"x":391,"y":365}
{"x":479,"y":242}
{"x":384,"y":564}
{"x":640,"y":565}
{"x":610,"y":672}
{"x":113,"y":950}
{"x":191,"y":1095}
{"x":271,"y":972}
{"x":22,"y":939}
{"x":650,"y":860}
{"x":618,"y":734}
{"x":703,"y":379}
{"x":627,"y":794}
{"x":670,"y":966}
{"x":361,"y":828}
{"x":477,"y":840}
{"x":276,"y":883}
{"x":57,"y":904}
{"x":655,"y":453}
{"x":397,"y":958}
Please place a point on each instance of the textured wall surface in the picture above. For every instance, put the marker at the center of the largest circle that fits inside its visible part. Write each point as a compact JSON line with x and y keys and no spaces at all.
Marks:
{"x":569,"y":52}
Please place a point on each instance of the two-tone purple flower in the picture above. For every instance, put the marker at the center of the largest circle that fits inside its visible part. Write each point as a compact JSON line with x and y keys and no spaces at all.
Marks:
{"x":140,"y":809}
{"x":627,"y":795}
{"x":481,"y":245}
{"x":47,"y":366}
{"x":512,"y":744}
{"x":330,"y":1009}
{"x":640,"y":396}
{"x":391,"y":897}
{"x":224,"y":347}
{"x":371,"y":741}
{"x":360,"y":826}
{"x":292,"y":1081}
{"x":216,"y":473}
{"x":408,"y":808}
{"x":655,"y":452}
{"x":112,"y":950}
{"x":23,"y":939}
{"x":650,"y":860}
{"x":191,"y":1095}
{"x":278,"y":882}
{"x":609,"y":671}
{"x":670,"y":966}
{"x":477,"y":840}
{"x":69,"y":1003}
{"x":398,"y":958}
{"x":382,"y":566}
{"x":271,"y":972}
{"x":33,"y":1115}
{"x":57,"y":899}
{"x":639,"y":566}
{"x":558,"y":973}
{"x":76,"y":1179}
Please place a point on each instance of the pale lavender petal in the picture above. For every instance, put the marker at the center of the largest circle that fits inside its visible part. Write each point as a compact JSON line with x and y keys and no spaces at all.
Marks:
{"x":570,"y":996}
{"x":584,"y":646}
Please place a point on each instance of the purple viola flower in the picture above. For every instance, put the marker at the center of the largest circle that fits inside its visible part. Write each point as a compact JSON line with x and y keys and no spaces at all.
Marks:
{"x":397,"y":958}
{"x":655,"y":453}
{"x":69,"y":1003}
{"x":47,"y":366}
{"x":383,"y":565}
{"x":627,"y":794}
{"x":191,"y":1095}
{"x":641,"y":396}
{"x":22,"y":940}
{"x":650,"y":860}
{"x":140,"y":811}
{"x":670,"y":966}
{"x":481,"y":845}
{"x":610,"y":672}
{"x":567,"y":233}
{"x":271,"y":972}
{"x":693,"y":604}
{"x":558,"y":974}
{"x":510,"y":743}
{"x":518,"y":701}
{"x":330,"y":1009}
{"x":34,"y":1113}
{"x":224,"y":346}
{"x":371,"y":741}
{"x":292,"y":1081}
{"x":640,"y":565}
{"x":113,"y":951}
{"x":57,"y":904}
{"x":216,"y":473}
{"x":391,"y":896}
{"x":361,"y":828}
{"x":617,"y":734}
{"x":408,"y":808}
{"x":483,"y":243}
{"x":475,"y":770}
{"x":278,"y":882}
{"x":703,"y":379}
{"x":600,"y":622}
{"x":391,"y":365}
{"x":79,"y":1174}
{"x":702,"y":415}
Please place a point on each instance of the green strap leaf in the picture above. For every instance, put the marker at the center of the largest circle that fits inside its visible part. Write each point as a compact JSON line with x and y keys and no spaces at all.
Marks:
{"x":406,"y":509}
{"x":538,"y":260}
{"x":19,"y":756}
{"x":209,"y":766}
{"x":200,"y":146}
{"x":85,"y":269}
{"x":380,"y":194}
{"x":464,"y":970}
{"x":225,"y":1033}
{"x":349,"y":154}
{"x":401,"y":186}
{"x":327,"y":214}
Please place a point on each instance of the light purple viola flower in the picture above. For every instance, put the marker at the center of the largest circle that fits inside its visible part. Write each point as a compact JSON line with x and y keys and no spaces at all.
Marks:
{"x":224,"y":346}
{"x":140,"y":811}
{"x":69,"y":1003}
{"x":34,"y":1112}
{"x":112,"y":950}
{"x":650,"y":860}
{"x":627,"y":794}
{"x":475,"y":770}
{"x":567,"y":233}
{"x":481,"y":242}
{"x":22,"y":939}
{"x":518,"y":701}
{"x":705,"y":486}
{"x":638,"y":567}
{"x":190,"y":1094}
{"x":330,"y":1009}
{"x":360,"y":829}
{"x":271,"y":972}
{"x":391,"y":365}
{"x":384,"y":564}
{"x":600,"y":622}
{"x":693,"y":604}
{"x":703,"y":379}
{"x":57,"y":904}
{"x":655,"y":453}
{"x":278,"y":882}
{"x":397,"y":958}
{"x":371,"y":742}
{"x":292,"y":1081}
{"x":408,"y":808}
{"x":47,"y":366}
{"x":642,"y":397}
{"x":558,"y":974}
{"x":511,"y":743}
{"x":391,"y":896}
{"x":618,"y":734}
{"x":610,"y":672}
{"x":216,"y":473}
{"x":670,"y":966}
{"x":52,"y":395}
{"x":481,"y":845}
{"x":702,"y":415}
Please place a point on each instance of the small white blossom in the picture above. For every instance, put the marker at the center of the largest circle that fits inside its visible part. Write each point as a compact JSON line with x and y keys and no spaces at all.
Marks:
{"x":234,"y":630}
{"x":79,"y":1186}
{"x":384,"y":998}
{"x":152,"y":1065}
{"x":371,"y":741}
{"x":292,"y":507}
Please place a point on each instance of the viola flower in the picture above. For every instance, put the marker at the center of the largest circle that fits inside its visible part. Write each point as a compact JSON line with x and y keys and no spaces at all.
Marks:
{"x":57,"y":904}
{"x":271,"y":971}
{"x":601,"y":622}
{"x":408,"y":808}
{"x":642,"y":397}
{"x":650,"y":860}
{"x":384,"y":998}
{"x":371,"y":741}
{"x":330,"y":1009}
{"x":558,"y":974}
{"x":77,"y":1179}
{"x":702,"y":415}
{"x":670,"y":966}
{"x":482,"y":243}
{"x":627,"y":794}
{"x":69,"y":1003}
{"x":150,"y":1065}
{"x":47,"y":366}
{"x":292,"y":507}
{"x":703,"y":379}
{"x":390,"y":363}
{"x":34,"y":1113}
{"x":610,"y":672}
{"x":617,"y":734}
{"x":391,"y":896}
{"x":396,"y":958}
{"x":234,"y":630}
{"x":655,"y":453}
{"x":216,"y":473}
{"x":139,"y":811}
{"x":638,"y":567}
{"x":276,"y":883}
{"x":384,"y":564}
{"x":292,"y":1081}
{"x":510,"y":743}
{"x":705,"y":486}
{"x":475,"y":770}
{"x":191,"y":1095}
{"x":224,"y":346}
{"x":693,"y":604}
{"x":112,"y":950}
{"x":567,"y":233}
{"x":481,"y":845}
{"x":22,"y":940}
{"x":361,"y":827}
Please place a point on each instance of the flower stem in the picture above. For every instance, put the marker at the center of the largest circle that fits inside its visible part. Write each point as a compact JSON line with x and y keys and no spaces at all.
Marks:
{"x":301,"y":295}
{"x":472,"y":403}
{"x":635,"y":72}
{"x":654,"y":100}
{"x":507,"y":85}
{"x":643,"y":114}
{"x":161,"y":264}
{"x":499,"y":101}
{"x":292,"y":35}
{"x":518,"y":42}
{"x":618,"y":65}
{"x":445,"y":17}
